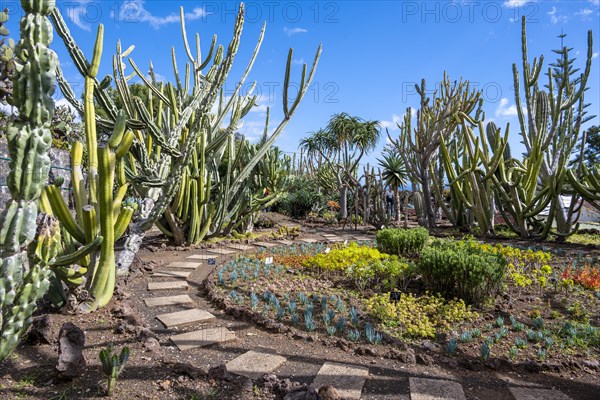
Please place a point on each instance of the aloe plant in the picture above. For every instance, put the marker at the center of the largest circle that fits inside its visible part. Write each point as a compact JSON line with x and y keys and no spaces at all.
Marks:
{"x":24,"y":279}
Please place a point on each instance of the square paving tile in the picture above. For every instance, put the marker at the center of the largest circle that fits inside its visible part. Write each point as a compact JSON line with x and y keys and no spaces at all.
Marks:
{"x":186,"y":317}
{"x":347,"y":379}
{"x":168,"y":300}
{"x":254,"y":364}
{"x":202,"y":337}
{"x":435,"y":389}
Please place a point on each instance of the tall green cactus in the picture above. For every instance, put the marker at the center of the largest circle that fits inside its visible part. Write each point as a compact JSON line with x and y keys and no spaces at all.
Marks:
{"x":22,"y":281}
{"x":550,"y":129}
{"x":101,"y":217}
{"x":419,"y":145}
{"x":174,"y":120}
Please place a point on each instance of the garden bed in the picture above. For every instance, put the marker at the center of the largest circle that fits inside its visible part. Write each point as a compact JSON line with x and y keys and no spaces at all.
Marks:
{"x":539,"y":318}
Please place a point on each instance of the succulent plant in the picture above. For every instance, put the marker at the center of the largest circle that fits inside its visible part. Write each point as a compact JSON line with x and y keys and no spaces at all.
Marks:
{"x":23,"y":276}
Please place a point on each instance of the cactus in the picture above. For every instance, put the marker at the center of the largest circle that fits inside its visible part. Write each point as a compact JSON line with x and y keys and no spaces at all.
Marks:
{"x":112,"y":365}
{"x":22,"y":280}
{"x":101,"y":217}
{"x":7,"y":61}
{"x":418,"y":147}
{"x":550,"y":130}
{"x":177,"y":140}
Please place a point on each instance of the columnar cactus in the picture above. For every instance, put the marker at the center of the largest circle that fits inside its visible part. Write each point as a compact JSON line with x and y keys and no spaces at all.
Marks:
{"x":101,"y":217}
{"x":550,"y":129}
{"x":177,"y":140}
{"x":437,"y":119}
{"x":22,"y":280}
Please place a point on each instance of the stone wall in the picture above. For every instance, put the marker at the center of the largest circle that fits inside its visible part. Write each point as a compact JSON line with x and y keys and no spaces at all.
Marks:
{"x":60,"y":160}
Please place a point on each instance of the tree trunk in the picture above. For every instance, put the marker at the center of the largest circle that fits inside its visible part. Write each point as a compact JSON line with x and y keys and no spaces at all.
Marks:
{"x":343,"y":202}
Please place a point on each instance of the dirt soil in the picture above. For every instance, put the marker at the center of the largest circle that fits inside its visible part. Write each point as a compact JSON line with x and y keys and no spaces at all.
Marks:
{"x":158,"y":370}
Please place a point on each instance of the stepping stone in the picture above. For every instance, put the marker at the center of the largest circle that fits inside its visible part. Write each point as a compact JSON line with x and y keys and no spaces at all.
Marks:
{"x":183,"y":265}
{"x":222,"y":250}
{"x":254,"y":364}
{"x":309,"y":240}
{"x":329,"y":235}
{"x":286,"y":242}
{"x":172,"y":274}
{"x":435,"y":389}
{"x":202,"y":337}
{"x":363,"y":238}
{"x":168,"y":300}
{"x":335,"y":239}
{"x":240,"y":247}
{"x":202,"y":257}
{"x":347,"y":379}
{"x":520,"y":393}
{"x":186,"y":317}
{"x":167,"y":285}
{"x":265,"y":244}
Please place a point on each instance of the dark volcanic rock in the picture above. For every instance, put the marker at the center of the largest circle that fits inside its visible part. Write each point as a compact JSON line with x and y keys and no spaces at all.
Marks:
{"x":71,"y":340}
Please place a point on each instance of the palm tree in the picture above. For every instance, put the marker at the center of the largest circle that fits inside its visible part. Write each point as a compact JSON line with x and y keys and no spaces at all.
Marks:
{"x":342,"y":144}
{"x":394,"y":175}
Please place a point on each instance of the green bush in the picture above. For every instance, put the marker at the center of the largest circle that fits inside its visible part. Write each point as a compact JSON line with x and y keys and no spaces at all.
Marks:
{"x":303,"y":195}
{"x":462,"y":269}
{"x":402,"y":242}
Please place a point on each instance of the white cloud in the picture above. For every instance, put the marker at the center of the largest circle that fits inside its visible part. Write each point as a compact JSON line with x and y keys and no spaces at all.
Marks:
{"x":134,"y":11}
{"x":595,"y":55}
{"x":293,"y":31}
{"x":595,"y":2}
{"x":586,"y":12}
{"x":76,"y":12}
{"x":556,"y":18}
{"x":392,"y":125}
{"x":504,"y":110}
{"x":517,"y":3}
{"x":299,"y":61}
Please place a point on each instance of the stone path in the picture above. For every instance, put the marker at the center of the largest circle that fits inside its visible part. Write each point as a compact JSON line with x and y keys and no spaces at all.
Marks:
{"x":199,"y":328}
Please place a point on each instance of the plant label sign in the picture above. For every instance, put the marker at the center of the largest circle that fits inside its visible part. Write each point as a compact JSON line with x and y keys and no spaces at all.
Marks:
{"x":268,"y":260}
{"x":327,"y":250}
{"x":345,"y":242}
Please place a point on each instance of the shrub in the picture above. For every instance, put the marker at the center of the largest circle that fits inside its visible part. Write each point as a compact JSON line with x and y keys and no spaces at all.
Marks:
{"x":402,"y":242}
{"x":462,"y":269}
{"x":366,"y":266}
{"x":422,"y":316}
{"x":303,"y":195}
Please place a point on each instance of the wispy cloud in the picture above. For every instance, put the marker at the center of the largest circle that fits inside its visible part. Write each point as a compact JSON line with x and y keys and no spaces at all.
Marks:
{"x":504,"y":110}
{"x":76,"y":12}
{"x":586,"y":12}
{"x":555,"y":17}
{"x":391,"y":124}
{"x":134,"y":11}
{"x":595,"y":55}
{"x":299,"y":61}
{"x":293,"y":31}
{"x":595,"y":2}
{"x":517,"y":3}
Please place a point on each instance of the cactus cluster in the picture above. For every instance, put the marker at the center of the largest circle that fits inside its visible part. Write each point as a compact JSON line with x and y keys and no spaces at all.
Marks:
{"x":482,"y":175}
{"x":101,"y":215}
{"x":23,"y":279}
{"x":192,"y":176}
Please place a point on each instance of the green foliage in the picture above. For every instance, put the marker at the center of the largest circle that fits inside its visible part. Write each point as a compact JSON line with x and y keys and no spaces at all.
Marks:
{"x":422,"y":316}
{"x":366,"y":267}
{"x":113,"y":364}
{"x":462,"y":269}
{"x":402,"y":242}
{"x":302,"y":197}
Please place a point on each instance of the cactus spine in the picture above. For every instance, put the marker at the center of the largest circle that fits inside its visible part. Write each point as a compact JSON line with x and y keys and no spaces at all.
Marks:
{"x":22,"y":280}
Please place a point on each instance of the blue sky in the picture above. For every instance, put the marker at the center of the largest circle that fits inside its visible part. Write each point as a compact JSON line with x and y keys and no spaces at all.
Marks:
{"x":373,"y":52}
